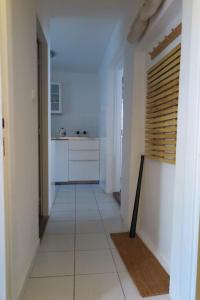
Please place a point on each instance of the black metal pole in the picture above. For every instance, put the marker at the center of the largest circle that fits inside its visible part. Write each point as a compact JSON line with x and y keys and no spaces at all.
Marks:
{"x":132,"y":233}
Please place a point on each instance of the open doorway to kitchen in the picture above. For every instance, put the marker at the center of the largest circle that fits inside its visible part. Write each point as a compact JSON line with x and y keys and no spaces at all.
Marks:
{"x":42,"y":72}
{"x":118,"y":132}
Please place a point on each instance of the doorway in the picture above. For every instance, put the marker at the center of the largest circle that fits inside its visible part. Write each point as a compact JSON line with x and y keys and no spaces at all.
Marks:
{"x":42,"y":217}
{"x":43,"y":130}
{"x":118,"y":132}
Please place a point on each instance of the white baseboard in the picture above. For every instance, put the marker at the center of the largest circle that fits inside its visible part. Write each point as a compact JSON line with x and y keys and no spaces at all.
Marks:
{"x":29,"y":271}
{"x":154,"y":250}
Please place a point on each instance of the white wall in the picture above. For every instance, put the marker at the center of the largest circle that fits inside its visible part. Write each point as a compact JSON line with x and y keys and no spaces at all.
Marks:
{"x":187,"y":188}
{"x":108,"y":78}
{"x":106,"y":130}
{"x":81,"y":103}
{"x":156,"y":211}
{"x":133,"y":140}
{"x":157,"y":196}
{"x":22,"y":143}
{"x":114,"y":55}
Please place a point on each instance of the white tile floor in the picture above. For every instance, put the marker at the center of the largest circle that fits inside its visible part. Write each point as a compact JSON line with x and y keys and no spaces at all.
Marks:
{"x":77,"y":259}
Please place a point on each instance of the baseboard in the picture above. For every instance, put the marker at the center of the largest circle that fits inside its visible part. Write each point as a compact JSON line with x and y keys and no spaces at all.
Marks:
{"x":154,"y":250}
{"x":77,"y":182}
{"x":29,"y":271}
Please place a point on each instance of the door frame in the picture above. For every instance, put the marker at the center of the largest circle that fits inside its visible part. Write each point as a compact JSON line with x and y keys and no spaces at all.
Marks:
{"x":117,"y":127}
{"x":44,"y":121}
{"x":3,"y":292}
{"x":5,"y":236}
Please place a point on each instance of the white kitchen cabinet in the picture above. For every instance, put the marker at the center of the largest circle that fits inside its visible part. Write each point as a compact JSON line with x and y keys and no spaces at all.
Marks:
{"x":61,"y":161}
{"x":77,"y":160}
{"x":56,"y":98}
{"x":81,"y":155}
{"x":84,"y":160}
{"x":53,"y":187}
{"x":84,"y":170}
{"x":84,"y":145}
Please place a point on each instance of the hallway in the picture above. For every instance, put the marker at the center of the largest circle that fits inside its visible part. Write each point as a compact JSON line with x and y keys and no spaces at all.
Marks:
{"x":77,"y":259}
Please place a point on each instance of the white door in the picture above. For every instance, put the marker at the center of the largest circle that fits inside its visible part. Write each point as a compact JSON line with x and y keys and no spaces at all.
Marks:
{"x":2,"y":211}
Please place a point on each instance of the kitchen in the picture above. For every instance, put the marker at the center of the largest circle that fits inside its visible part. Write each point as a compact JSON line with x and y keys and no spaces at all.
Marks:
{"x":75,"y":109}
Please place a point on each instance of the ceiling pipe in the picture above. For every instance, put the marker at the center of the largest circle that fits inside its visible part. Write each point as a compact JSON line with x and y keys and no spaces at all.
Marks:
{"x":140,"y":25}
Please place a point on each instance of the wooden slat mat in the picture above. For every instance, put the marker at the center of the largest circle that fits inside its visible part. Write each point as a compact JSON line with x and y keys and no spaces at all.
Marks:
{"x":145,"y":270}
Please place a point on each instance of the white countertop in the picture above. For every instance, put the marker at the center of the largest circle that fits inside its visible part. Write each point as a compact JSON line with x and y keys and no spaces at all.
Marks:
{"x":67,"y":138}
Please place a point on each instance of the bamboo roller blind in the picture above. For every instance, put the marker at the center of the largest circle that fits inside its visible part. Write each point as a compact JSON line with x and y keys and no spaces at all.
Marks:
{"x":162,"y":108}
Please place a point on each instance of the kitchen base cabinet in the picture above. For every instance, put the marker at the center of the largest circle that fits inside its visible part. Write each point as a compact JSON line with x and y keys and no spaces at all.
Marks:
{"x":83,"y":170}
{"x":84,"y":160}
{"x":53,"y":181}
{"x":77,"y":161}
{"x":61,"y":161}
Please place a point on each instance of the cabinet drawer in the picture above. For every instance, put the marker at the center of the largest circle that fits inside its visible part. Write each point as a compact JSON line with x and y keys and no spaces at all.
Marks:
{"x":79,"y":155}
{"x":84,"y":145}
{"x":83,"y":171}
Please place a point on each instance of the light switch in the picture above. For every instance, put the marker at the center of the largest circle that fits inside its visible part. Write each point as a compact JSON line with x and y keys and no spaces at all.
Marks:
{"x":33,"y":95}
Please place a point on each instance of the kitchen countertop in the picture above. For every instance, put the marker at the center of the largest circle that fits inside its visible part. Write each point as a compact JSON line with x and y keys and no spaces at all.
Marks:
{"x":67,"y":138}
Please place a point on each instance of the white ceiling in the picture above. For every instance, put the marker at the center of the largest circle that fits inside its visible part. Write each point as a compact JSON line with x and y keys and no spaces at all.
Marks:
{"x":79,"y":43}
{"x":80,"y":8}
{"x":80,"y":30}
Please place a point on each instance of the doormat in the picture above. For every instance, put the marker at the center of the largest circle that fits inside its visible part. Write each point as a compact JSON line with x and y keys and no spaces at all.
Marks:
{"x":147,"y":273}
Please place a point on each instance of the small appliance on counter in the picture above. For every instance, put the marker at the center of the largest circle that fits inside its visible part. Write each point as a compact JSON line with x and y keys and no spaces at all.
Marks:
{"x":62,"y":132}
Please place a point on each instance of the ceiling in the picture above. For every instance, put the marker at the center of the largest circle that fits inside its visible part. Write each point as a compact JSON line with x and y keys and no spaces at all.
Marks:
{"x":80,"y":30}
{"x":80,"y":8}
{"x":79,"y":43}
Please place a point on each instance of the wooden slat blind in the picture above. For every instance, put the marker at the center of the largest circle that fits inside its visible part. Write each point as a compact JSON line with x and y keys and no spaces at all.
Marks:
{"x":162,"y":107}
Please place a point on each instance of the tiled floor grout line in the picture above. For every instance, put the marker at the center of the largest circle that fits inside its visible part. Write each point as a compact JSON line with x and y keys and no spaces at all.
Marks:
{"x":118,"y":274}
{"x":78,"y":250}
{"x":61,"y":221}
{"x":80,"y":274}
{"x":110,"y":248}
{"x":49,"y":276}
{"x":90,"y":274}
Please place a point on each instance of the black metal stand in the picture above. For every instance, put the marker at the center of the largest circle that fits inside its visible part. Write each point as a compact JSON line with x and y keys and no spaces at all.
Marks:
{"x":132,"y":233}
